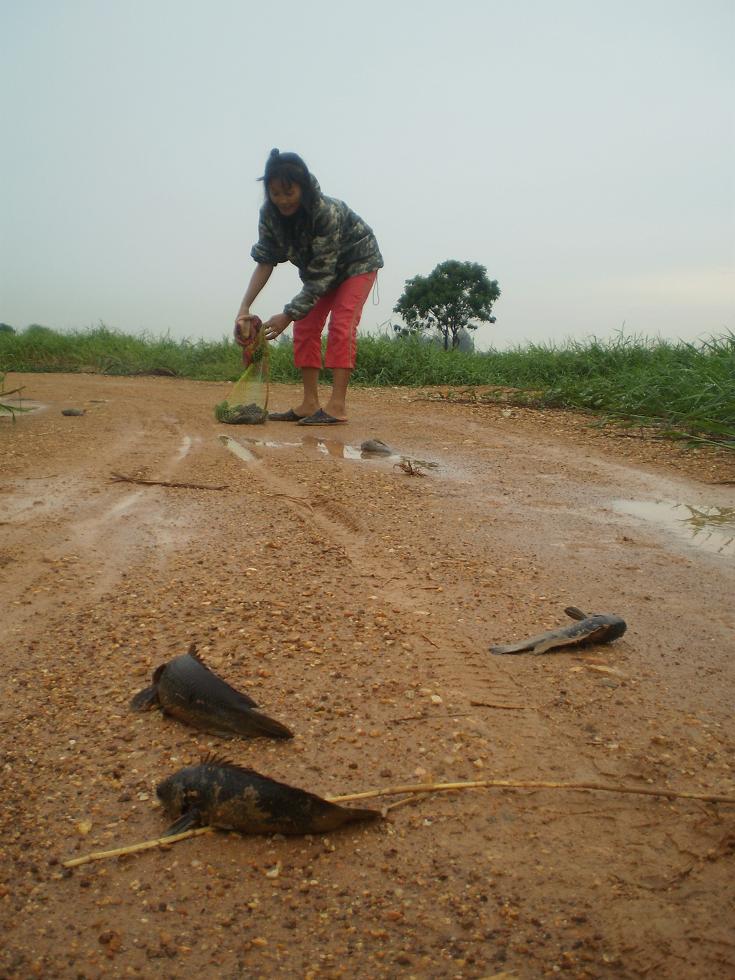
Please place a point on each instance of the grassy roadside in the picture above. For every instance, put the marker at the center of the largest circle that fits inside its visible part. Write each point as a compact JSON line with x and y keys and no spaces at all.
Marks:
{"x":685,"y":390}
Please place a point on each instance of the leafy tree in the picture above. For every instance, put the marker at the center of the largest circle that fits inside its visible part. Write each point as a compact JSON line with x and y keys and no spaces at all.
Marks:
{"x":6,"y":328}
{"x":447,"y":299}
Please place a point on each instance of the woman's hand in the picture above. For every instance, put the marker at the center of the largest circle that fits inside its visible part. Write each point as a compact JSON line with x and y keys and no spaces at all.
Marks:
{"x":276,"y":325}
{"x":243,"y":320}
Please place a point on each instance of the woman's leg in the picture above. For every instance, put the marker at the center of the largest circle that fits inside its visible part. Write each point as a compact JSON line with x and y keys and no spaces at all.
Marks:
{"x":307,"y":352}
{"x":336,"y":406}
{"x":349,"y":299}
{"x":310,"y":401}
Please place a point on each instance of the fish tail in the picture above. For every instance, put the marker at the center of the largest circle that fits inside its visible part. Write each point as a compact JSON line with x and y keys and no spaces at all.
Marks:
{"x":354,"y":814}
{"x":265,"y":725}
{"x":512,"y":648}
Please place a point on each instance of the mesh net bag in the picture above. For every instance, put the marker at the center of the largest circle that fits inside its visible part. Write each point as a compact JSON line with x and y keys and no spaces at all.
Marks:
{"x":247,"y":402}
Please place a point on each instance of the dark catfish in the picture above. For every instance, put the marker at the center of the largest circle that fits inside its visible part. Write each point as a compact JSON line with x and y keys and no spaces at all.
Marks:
{"x":188,"y":690}
{"x":218,"y":793}
{"x":599,"y":628}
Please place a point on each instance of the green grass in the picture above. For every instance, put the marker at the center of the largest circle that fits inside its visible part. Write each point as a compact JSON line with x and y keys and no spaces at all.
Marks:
{"x":686,"y":390}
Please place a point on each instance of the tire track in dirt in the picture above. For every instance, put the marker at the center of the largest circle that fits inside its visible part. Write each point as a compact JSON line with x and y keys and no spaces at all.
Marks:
{"x":473,"y":676}
{"x":339,"y":525}
{"x":79,"y":522}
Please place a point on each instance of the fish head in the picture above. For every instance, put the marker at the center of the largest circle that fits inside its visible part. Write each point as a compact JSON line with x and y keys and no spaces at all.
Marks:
{"x":179,"y":794}
{"x":615,"y":627}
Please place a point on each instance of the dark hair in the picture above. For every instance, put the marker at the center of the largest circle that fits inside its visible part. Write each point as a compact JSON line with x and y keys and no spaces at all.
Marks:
{"x":290,"y":169}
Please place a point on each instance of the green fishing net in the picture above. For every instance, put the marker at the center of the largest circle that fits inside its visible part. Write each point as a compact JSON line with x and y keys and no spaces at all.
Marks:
{"x":247,"y":402}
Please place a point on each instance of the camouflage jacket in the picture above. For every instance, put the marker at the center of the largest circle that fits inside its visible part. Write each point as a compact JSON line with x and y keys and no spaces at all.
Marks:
{"x":327,"y":244}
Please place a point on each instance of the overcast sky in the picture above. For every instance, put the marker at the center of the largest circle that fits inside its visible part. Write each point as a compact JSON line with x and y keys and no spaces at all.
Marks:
{"x":583,"y":151}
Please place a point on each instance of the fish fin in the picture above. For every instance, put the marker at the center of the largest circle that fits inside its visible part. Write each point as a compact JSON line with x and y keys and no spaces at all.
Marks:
{"x":195,"y":655}
{"x":185,"y":822}
{"x":145,"y":699}
{"x":575,"y":613}
{"x":215,"y":759}
{"x":551,"y":643}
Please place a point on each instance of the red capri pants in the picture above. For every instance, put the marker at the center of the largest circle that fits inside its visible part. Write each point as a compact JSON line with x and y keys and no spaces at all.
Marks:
{"x":345,"y":304}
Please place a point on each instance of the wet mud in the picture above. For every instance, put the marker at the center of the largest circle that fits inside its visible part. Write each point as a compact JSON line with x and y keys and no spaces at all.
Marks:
{"x":359,"y":602}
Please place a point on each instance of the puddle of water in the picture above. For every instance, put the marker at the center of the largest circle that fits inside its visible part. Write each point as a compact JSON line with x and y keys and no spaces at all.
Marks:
{"x":272,"y":444}
{"x":239,"y":450}
{"x":22,"y":406}
{"x":327,"y":447}
{"x":710,"y":528}
{"x":333,"y":447}
{"x":184,"y":448}
{"x":122,"y":505}
{"x":330,"y":447}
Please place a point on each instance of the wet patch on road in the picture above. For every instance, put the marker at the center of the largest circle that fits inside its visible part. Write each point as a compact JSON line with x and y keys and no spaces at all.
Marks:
{"x":709,"y":528}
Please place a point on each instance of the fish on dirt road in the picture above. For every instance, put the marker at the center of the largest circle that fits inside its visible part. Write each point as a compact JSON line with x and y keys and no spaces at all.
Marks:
{"x":218,"y":793}
{"x":597,"y":628}
{"x":191,"y":692}
{"x":376,"y":446}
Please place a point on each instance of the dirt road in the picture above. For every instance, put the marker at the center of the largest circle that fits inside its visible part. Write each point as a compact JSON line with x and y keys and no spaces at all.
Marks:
{"x":356,"y":603}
